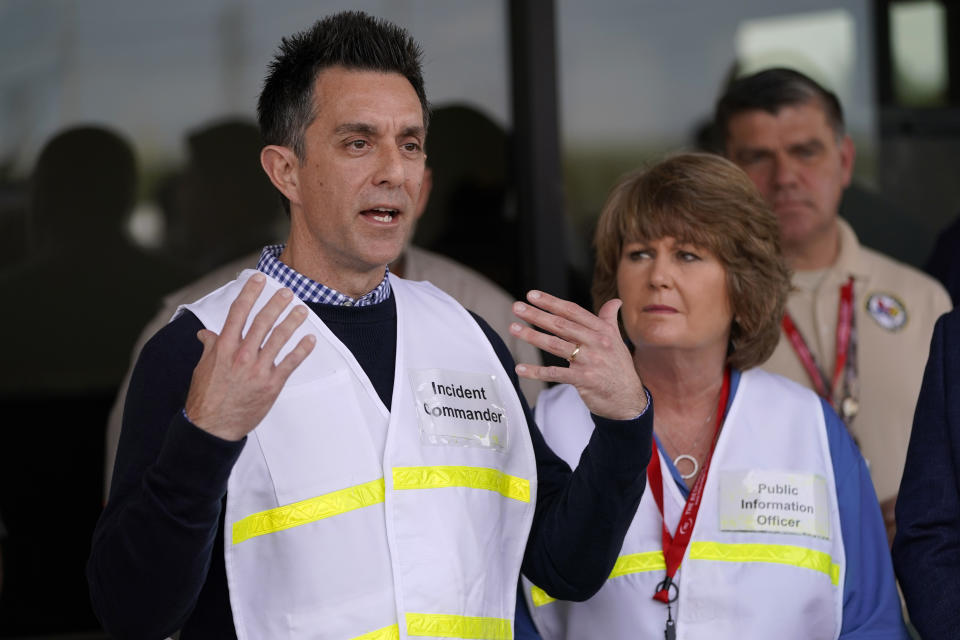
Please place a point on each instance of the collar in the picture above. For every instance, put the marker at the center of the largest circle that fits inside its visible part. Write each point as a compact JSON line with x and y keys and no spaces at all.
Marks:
{"x":312,"y":291}
{"x":848,"y":262}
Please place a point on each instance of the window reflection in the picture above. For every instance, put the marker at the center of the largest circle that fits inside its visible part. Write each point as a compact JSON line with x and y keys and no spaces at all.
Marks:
{"x":821,"y":44}
{"x":638,"y":79}
{"x":918,"y":46}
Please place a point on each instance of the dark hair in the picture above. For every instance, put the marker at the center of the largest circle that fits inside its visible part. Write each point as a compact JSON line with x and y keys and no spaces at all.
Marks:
{"x":83,"y":168}
{"x":350,"y":39}
{"x":708,"y":201}
{"x":769,"y":91}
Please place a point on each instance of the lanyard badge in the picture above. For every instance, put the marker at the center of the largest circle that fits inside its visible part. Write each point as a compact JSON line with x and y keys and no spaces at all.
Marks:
{"x":675,"y":546}
{"x":845,"y":360}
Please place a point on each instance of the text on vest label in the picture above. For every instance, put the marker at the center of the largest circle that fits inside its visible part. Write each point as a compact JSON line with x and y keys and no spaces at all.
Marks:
{"x":774,"y":502}
{"x":459,"y":408}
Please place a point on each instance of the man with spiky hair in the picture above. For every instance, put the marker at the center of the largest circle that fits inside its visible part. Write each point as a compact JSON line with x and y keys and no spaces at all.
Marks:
{"x":320,"y":449}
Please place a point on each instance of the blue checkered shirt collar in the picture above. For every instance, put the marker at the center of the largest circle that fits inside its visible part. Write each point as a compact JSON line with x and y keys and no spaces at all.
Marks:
{"x":312,"y":291}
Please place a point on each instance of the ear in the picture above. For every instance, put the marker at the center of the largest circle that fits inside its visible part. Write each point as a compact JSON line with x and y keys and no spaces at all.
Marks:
{"x":282,"y":167}
{"x":848,"y":153}
{"x":425,"y":187}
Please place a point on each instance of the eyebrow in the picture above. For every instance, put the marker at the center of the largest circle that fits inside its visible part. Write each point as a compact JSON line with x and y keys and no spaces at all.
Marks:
{"x":812,"y":143}
{"x":751,"y":151}
{"x":370,"y":130}
{"x":762,"y":150}
{"x":413,"y":132}
{"x":356,"y":127}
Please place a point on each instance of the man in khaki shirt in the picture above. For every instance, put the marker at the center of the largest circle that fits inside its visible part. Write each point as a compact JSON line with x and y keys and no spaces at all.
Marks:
{"x":786,"y":132}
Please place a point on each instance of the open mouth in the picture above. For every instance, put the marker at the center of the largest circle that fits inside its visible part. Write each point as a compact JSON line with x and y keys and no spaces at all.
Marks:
{"x":382,"y":214}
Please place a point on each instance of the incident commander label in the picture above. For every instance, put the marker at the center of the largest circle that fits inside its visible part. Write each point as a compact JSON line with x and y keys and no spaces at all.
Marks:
{"x":459,"y":408}
{"x":774,"y":502}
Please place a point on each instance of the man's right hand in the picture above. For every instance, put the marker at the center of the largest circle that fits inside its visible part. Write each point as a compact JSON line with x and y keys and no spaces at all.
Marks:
{"x":236,"y":381}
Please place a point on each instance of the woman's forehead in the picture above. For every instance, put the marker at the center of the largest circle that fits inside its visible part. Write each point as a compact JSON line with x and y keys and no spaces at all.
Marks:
{"x":678,"y":236}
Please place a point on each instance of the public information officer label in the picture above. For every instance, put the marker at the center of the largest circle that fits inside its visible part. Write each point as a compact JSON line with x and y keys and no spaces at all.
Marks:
{"x":459,"y":408}
{"x":774,"y":502}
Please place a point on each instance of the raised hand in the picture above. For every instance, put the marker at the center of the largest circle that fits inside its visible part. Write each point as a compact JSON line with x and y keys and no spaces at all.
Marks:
{"x":236,"y":381}
{"x":601,"y":367}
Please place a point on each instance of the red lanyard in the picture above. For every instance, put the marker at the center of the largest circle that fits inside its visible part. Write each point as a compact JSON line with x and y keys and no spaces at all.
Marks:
{"x":844,"y":327}
{"x":675,"y":546}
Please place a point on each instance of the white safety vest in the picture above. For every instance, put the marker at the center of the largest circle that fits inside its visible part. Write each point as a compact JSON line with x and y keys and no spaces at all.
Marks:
{"x":766,"y":557}
{"x":346,"y":520}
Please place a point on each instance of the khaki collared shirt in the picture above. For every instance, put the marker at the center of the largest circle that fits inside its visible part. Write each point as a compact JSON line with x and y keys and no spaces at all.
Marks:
{"x":895,"y":310}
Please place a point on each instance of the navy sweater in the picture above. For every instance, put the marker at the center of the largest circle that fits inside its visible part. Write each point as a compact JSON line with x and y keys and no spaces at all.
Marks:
{"x":157,"y":565}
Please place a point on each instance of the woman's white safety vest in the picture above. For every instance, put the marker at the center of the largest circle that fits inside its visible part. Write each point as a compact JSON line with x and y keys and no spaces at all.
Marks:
{"x":766,"y":557}
{"x":346,"y":520}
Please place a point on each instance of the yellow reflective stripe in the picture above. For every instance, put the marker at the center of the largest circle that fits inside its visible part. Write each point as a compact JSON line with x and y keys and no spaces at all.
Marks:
{"x":446,"y":626}
{"x":387,"y":633}
{"x":306,"y":511}
{"x":638,"y":563}
{"x":631,"y":563}
{"x":775,"y":553}
{"x":473,"y":477}
{"x":540,"y":597}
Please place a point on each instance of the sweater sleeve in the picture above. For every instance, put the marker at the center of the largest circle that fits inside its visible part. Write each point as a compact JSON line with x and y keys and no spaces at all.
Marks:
{"x":582,"y":517}
{"x":152,"y":546}
{"x":871,"y":606}
{"x":926,"y":550}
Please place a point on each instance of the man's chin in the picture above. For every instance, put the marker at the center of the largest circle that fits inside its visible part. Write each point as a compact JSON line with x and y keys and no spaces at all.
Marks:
{"x":386,"y":254}
{"x":794,"y":219}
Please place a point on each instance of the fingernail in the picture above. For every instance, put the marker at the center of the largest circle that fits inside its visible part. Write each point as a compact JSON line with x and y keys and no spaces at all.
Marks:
{"x":521,"y":368}
{"x":258,"y":278}
{"x":519,"y":307}
{"x":286,"y":294}
{"x":514,"y":327}
{"x":533,"y":295}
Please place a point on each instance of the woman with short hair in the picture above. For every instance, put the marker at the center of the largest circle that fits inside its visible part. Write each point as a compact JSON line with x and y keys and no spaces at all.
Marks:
{"x":759,"y":519}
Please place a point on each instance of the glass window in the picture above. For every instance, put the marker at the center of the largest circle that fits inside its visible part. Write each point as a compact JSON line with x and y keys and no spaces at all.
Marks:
{"x":821,"y":44}
{"x":639,"y":78}
{"x":153,"y":71}
{"x":918,"y":43}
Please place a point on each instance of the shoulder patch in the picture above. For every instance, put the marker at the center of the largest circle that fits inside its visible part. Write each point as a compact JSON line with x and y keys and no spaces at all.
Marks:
{"x":887,"y":311}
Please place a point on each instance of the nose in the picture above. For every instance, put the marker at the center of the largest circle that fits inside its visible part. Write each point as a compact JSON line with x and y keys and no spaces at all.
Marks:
{"x":661,"y":274}
{"x":784,"y":171}
{"x":390,"y":167}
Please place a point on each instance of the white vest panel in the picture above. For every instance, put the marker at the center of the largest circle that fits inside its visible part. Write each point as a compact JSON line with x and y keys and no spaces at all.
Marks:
{"x":732,"y":583}
{"x":343,"y":522}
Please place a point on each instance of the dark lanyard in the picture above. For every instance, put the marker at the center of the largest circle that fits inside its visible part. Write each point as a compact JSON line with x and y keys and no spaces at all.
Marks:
{"x":843,"y":362}
{"x":675,"y":546}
